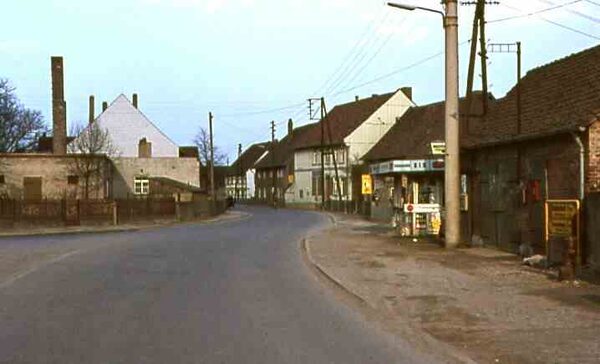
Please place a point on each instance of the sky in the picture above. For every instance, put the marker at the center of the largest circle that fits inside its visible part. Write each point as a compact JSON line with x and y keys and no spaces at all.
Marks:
{"x":250,"y":62}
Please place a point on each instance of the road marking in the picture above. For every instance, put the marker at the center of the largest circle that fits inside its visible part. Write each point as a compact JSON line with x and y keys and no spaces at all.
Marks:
{"x":37,"y":267}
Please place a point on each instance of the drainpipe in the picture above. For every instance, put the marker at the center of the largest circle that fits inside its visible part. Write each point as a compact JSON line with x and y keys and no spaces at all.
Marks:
{"x":581,"y":165}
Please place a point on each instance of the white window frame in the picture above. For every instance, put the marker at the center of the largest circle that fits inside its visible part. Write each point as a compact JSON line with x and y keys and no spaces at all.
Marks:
{"x":141,"y":185}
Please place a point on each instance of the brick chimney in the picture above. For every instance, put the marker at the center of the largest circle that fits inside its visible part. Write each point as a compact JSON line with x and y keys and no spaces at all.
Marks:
{"x":290,"y":127}
{"x":407,"y":91}
{"x":356,"y":98}
{"x":92,"y":113}
{"x":104,"y":106}
{"x":135,"y":100}
{"x":59,"y":108}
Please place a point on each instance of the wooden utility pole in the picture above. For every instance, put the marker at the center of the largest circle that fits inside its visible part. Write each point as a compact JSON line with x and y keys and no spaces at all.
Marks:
{"x":322,"y":151}
{"x":212,"y":158}
{"x":483,"y":55}
{"x":239,"y":174}
{"x":332,"y":150}
{"x":274,"y":170}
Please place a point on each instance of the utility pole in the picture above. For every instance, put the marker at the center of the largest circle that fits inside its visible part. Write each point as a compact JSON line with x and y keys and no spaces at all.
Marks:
{"x":322,"y":151}
{"x":239,"y":174}
{"x":212,"y":158}
{"x":483,"y":55}
{"x":332,"y":150}
{"x":512,"y":48}
{"x":274,"y":170}
{"x":452,"y":163}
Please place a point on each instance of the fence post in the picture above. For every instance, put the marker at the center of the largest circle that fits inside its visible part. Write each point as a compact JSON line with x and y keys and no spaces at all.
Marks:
{"x":114,"y":213}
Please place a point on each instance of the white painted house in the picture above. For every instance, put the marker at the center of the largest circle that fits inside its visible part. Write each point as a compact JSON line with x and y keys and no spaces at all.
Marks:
{"x":127,"y":126}
{"x":143,"y":153}
{"x":351,"y":130}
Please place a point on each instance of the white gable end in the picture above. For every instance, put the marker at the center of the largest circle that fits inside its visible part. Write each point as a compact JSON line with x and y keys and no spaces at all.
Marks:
{"x":127,"y":125}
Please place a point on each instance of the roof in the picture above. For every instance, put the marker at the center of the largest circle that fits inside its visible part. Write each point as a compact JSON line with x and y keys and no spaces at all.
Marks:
{"x":411,"y":136}
{"x":344,"y":119}
{"x":557,"y":97}
{"x":283,"y":151}
{"x":127,"y":125}
{"x":45,"y":144}
{"x":248,"y":158}
{"x":175,"y":184}
{"x":188,"y":152}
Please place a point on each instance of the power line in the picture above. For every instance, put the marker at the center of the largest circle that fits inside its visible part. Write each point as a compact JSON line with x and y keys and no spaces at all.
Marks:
{"x":361,"y":70}
{"x":358,"y":57}
{"x":557,"y":24}
{"x":399,"y":70}
{"x":592,"y":2}
{"x":532,"y":13}
{"x":267,"y":111}
{"x":580,"y":14}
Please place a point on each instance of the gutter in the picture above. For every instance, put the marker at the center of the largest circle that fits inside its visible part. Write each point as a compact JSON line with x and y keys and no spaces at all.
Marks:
{"x":577,"y":139}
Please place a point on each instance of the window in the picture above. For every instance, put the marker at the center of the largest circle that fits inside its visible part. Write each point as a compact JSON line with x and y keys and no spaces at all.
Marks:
{"x":316,"y":158}
{"x":301,"y":194}
{"x":340,"y":156}
{"x":73,"y":180}
{"x":328,"y":158}
{"x":2,"y":181}
{"x":141,"y":185}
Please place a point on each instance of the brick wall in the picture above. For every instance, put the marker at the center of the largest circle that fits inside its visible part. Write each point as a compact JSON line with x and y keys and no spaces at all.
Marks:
{"x":593,"y":159}
{"x":54,"y":172}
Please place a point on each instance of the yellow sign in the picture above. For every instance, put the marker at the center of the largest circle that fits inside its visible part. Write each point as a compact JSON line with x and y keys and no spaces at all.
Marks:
{"x":438,"y":148}
{"x":290,"y":178}
{"x":562,"y":220}
{"x":367,"y":184}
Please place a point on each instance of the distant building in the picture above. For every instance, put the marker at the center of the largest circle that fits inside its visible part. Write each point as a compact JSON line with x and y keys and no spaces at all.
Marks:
{"x":241,"y":179}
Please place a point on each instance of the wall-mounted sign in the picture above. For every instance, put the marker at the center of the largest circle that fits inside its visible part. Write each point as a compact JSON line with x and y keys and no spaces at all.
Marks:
{"x":562,"y":221}
{"x":367,"y":184}
{"x":408,"y":166}
{"x":422,"y":208}
{"x":438,"y":148}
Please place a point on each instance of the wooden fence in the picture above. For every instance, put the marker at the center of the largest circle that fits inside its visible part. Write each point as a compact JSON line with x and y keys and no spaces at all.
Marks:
{"x":53,"y":212}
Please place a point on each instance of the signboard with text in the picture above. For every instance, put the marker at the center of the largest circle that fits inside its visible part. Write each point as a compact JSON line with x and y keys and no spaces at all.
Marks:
{"x":408,"y":166}
{"x":562,"y":221}
{"x":438,"y":148}
{"x":367,"y":184}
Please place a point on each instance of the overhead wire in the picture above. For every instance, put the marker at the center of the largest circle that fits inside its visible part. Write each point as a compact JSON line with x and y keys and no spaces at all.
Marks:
{"x":575,"y":12}
{"x":532,"y":13}
{"x":556,"y":23}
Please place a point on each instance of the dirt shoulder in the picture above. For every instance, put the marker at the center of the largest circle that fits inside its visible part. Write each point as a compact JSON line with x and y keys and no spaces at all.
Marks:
{"x":480,"y":301}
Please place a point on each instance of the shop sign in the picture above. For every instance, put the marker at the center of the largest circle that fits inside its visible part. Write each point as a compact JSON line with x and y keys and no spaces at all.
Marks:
{"x":438,"y":148}
{"x":423,"y":208}
{"x":367,"y":184}
{"x":408,"y":166}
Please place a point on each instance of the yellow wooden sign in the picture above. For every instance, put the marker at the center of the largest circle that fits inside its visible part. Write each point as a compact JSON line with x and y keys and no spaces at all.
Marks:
{"x":562,"y":220}
{"x":367,"y":184}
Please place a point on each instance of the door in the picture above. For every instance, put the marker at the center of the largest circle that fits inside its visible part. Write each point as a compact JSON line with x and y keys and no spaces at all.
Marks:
{"x":32,"y":188}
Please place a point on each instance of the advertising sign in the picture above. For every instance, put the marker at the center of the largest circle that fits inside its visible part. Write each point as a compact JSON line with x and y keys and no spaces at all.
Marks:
{"x":438,"y":148}
{"x":367,"y":184}
{"x":562,"y":220}
{"x":408,"y":166}
{"x":422,"y":208}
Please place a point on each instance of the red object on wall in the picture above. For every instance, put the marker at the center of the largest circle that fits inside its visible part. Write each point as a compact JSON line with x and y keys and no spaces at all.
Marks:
{"x":535,"y":190}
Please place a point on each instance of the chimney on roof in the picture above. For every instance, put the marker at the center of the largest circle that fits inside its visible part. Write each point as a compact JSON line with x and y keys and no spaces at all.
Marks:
{"x":290,"y":127}
{"x":92,"y":113}
{"x":374,"y":95}
{"x":407,"y":91}
{"x":104,"y":106}
{"x":356,"y":98}
{"x":59,"y":107}
{"x":135,"y":100}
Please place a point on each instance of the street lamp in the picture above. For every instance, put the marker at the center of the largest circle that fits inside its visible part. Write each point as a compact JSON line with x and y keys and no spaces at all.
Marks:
{"x":452,"y":163}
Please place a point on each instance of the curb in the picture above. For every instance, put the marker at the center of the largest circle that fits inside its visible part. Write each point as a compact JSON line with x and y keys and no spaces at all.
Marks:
{"x":337,"y":282}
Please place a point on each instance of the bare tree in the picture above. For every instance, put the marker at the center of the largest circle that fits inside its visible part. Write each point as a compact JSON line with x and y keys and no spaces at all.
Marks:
{"x":20,"y":127}
{"x":89,"y":148}
{"x":202,"y":141}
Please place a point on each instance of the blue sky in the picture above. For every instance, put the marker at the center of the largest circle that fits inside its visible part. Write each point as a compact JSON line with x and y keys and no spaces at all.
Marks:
{"x":240,"y":59}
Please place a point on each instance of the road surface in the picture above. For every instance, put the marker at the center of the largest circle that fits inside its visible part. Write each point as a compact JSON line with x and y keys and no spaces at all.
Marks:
{"x":233,"y":292}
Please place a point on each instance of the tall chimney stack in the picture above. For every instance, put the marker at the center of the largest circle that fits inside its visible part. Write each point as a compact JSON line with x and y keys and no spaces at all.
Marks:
{"x":135,"y":100}
{"x":356,"y":98}
{"x":92,"y":114}
{"x":290,"y":127}
{"x":104,"y":106}
{"x":59,"y":108}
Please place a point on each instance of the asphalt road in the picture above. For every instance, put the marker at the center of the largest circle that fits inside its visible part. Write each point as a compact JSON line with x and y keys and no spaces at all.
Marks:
{"x":234,"y":292}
